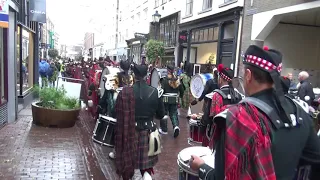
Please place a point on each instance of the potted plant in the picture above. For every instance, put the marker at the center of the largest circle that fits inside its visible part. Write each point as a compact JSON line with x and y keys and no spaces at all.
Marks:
{"x":54,"y":108}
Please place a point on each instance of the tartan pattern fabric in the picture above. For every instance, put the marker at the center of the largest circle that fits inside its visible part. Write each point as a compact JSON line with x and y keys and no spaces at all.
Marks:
{"x":248,"y":144}
{"x":143,"y":161}
{"x":187,"y":96}
{"x":172,"y":109}
{"x":125,"y":139}
{"x":216,"y":104}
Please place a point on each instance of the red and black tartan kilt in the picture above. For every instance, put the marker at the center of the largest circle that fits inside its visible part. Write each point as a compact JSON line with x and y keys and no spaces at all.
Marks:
{"x":143,"y":160}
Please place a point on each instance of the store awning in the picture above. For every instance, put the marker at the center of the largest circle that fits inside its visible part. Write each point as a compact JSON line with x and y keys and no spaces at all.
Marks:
{"x":263,"y":23}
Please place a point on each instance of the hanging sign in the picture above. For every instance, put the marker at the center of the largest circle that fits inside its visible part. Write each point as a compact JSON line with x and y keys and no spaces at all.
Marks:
{"x":4,"y":14}
{"x":37,"y":11}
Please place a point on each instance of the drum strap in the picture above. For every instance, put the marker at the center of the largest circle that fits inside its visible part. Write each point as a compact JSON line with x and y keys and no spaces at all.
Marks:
{"x":224,"y":96}
{"x":266,"y":109}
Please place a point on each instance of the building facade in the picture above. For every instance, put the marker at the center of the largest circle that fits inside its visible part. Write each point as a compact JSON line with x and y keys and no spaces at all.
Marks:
{"x":210,"y":31}
{"x":49,"y":38}
{"x":88,"y":45}
{"x":292,"y":27}
{"x":18,"y":59}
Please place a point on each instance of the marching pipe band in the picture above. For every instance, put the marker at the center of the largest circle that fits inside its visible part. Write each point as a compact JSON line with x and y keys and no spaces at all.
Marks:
{"x":105,"y":79}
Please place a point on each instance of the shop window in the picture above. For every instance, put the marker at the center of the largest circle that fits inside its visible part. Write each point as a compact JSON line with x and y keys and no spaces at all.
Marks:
{"x":2,"y":88}
{"x":26,"y":63}
{"x":205,"y":35}
{"x":210,"y":36}
{"x":207,"y":4}
{"x":168,"y":31}
{"x":189,"y":7}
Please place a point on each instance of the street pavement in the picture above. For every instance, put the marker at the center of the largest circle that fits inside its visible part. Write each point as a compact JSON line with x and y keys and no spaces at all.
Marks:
{"x":28,"y":151}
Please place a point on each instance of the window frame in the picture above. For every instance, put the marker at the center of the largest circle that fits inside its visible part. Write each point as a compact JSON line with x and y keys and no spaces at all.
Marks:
{"x":156,"y":3}
{"x":189,"y":3}
{"x":206,"y":4}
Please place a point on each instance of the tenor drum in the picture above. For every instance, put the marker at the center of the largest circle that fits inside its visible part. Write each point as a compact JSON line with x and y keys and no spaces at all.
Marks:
{"x":109,"y":70}
{"x":198,"y":82}
{"x":185,"y":172}
{"x":195,"y":132}
{"x":156,"y":76}
{"x":104,"y":131}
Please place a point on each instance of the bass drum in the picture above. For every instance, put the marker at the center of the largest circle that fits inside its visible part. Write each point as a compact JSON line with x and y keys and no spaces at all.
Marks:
{"x":106,"y":71}
{"x":198,"y":82}
{"x":156,"y":75}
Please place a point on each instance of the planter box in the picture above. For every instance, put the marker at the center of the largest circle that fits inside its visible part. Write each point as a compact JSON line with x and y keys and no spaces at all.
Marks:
{"x":53,"y":117}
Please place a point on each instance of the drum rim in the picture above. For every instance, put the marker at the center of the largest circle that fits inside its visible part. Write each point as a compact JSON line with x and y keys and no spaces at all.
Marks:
{"x":183,"y":166}
{"x":111,"y":119}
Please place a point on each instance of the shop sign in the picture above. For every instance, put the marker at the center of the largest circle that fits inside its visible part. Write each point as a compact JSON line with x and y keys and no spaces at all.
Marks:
{"x":183,"y":37}
{"x":4,"y":14}
{"x":37,"y":11}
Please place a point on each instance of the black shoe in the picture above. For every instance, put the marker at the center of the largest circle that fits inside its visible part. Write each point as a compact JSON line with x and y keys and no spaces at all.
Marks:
{"x":176,"y":131}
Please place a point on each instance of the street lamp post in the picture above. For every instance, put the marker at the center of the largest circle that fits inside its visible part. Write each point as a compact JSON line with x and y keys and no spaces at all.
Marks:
{"x":155,"y":19}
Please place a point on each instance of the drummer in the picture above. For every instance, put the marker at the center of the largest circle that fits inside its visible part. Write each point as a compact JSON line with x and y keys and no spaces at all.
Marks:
{"x":123,"y":79}
{"x":171,"y":84}
{"x":257,"y":145}
{"x":135,"y":110}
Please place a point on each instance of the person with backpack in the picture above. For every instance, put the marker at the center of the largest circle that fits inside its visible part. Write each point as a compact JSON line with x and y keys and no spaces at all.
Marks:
{"x":52,"y":74}
{"x":43,"y":68}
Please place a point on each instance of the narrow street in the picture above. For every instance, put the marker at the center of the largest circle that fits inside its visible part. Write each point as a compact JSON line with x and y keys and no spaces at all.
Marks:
{"x":30,"y":152}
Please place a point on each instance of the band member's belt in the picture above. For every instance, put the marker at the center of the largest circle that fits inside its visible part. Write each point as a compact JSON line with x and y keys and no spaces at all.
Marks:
{"x":170,"y":98}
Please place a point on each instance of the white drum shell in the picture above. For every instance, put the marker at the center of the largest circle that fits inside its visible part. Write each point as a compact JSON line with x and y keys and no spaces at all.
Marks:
{"x":156,"y":75}
{"x":185,"y":155}
{"x":109,"y":70}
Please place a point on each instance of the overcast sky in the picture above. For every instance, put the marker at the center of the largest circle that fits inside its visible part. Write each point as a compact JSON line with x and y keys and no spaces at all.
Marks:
{"x":71,"y":18}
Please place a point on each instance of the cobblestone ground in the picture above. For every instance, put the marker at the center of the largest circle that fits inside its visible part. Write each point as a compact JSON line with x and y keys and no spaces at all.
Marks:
{"x":167,"y":168}
{"x":28,"y":151}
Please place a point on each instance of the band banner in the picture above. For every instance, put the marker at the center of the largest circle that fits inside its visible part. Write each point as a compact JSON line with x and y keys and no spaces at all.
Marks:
{"x":37,"y":11}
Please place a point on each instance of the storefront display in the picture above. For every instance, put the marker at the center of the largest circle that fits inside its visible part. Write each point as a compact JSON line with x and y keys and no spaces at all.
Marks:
{"x":25,"y":61}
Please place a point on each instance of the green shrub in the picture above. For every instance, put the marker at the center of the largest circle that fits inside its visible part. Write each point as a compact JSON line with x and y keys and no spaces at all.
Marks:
{"x":55,"y":98}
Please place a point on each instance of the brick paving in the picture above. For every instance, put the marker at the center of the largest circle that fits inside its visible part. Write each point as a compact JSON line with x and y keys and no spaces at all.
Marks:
{"x":28,"y":151}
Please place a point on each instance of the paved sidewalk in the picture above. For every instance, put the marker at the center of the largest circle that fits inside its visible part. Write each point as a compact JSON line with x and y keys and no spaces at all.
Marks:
{"x":28,"y":151}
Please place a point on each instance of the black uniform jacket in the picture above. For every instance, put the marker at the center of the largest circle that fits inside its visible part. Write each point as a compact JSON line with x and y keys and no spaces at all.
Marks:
{"x":147,"y":104}
{"x":306,"y":89}
{"x":168,"y":89}
{"x":289,"y":147}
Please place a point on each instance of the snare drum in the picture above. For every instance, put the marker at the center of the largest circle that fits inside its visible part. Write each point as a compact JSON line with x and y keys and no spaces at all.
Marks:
{"x":103,"y":132}
{"x":195,"y":132}
{"x":185,"y":172}
{"x":170,"y":98}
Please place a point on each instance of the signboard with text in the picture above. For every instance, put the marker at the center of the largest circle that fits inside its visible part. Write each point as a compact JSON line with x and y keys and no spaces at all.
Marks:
{"x":4,"y":14}
{"x":183,"y":37}
{"x":37,"y":11}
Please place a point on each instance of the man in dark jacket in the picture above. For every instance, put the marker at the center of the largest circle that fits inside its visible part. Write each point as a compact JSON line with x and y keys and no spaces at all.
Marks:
{"x":266,"y":135}
{"x":305,"y":91}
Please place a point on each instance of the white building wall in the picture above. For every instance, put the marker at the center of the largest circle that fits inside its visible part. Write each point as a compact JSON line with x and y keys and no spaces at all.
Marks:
{"x":218,"y":6}
{"x":166,"y":7}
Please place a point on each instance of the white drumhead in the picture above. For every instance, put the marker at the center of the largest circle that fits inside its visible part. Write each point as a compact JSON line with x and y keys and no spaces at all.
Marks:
{"x":186,"y":153}
{"x":155,"y":78}
{"x":209,"y":160}
{"x":108,"y":118}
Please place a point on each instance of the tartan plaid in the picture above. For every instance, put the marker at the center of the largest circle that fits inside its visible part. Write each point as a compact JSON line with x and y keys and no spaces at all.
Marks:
{"x":125,"y":145}
{"x":143,"y":161}
{"x":217,"y":105}
{"x":247,"y":144}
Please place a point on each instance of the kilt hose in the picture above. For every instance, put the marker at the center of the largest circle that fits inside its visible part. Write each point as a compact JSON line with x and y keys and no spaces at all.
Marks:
{"x":143,"y":161}
{"x":172,"y":109}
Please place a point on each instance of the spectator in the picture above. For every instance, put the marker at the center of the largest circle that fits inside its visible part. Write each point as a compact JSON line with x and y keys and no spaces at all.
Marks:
{"x":305,"y":91}
{"x":52,"y":74}
{"x":43,"y":69}
{"x":293,"y":85}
